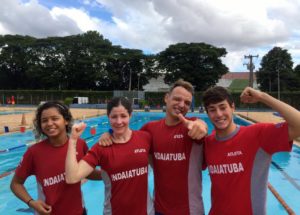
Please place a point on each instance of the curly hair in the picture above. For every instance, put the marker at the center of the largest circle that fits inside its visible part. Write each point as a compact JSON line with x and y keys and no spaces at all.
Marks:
{"x":61,"y":108}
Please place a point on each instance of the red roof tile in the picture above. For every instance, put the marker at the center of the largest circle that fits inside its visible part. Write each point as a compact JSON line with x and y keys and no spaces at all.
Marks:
{"x":237,"y":75}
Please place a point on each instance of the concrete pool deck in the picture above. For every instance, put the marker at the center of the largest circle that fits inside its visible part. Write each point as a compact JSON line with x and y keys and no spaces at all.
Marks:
{"x":13,"y":121}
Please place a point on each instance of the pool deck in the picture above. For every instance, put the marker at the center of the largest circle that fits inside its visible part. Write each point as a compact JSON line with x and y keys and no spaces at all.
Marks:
{"x":14,"y":121}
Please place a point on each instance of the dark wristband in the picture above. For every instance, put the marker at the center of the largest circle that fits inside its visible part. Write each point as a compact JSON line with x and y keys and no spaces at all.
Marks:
{"x":110,"y":131}
{"x":29,"y":201}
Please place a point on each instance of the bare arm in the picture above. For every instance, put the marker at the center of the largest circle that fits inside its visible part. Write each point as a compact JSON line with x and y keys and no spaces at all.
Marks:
{"x":106,"y":139}
{"x":197,"y":129}
{"x":18,"y":188}
{"x":75,"y":171}
{"x":290,"y":114}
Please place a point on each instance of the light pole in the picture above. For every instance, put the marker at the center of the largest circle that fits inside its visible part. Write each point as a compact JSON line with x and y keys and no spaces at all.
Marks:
{"x":278,"y":77}
{"x":130,"y":73}
{"x":139,"y":75}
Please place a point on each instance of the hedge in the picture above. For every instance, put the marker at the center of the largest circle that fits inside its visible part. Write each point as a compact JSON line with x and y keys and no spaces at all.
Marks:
{"x":154,"y":99}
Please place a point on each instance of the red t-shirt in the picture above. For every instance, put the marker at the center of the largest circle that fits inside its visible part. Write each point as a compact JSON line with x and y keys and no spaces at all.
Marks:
{"x":124,"y":170}
{"x":239,"y":165}
{"x":177,"y":162}
{"x":47,"y":163}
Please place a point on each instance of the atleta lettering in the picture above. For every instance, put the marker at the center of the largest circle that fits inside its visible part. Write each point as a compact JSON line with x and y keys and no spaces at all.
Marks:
{"x":233,"y":154}
{"x":169,"y":156}
{"x":129,"y":173}
{"x":54,"y":180}
{"x":226,"y":168}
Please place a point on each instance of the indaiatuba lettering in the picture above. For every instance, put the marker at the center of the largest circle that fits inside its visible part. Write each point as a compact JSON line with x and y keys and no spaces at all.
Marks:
{"x":169,"y":156}
{"x":129,"y":173}
{"x":226,"y":168}
{"x":54,"y":180}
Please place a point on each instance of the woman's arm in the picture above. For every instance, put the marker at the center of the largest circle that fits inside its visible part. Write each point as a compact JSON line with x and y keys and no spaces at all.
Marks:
{"x":17,"y":187}
{"x":75,"y":171}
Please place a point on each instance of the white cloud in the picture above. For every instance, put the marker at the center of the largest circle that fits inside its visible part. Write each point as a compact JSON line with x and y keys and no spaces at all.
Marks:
{"x":33,"y":19}
{"x":239,"y":26}
{"x":242,"y":27}
{"x":78,"y":16}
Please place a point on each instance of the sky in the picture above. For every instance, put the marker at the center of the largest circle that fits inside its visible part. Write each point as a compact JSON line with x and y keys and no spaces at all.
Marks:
{"x":243,"y":27}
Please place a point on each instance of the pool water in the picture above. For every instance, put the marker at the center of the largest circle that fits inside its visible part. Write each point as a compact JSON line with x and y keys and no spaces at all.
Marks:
{"x":284,"y":172}
{"x":13,"y":112}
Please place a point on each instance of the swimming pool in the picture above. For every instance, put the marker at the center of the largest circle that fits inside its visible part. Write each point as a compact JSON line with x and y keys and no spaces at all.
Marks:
{"x":13,"y":112}
{"x":284,"y":171}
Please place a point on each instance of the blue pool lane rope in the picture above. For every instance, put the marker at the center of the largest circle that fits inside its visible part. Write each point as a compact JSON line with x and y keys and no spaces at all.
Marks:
{"x":15,"y":147}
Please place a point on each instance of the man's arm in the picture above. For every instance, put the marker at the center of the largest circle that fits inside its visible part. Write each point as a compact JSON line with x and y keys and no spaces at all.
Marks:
{"x":106,"y":139}
{"x":197,"y":128}
{"x":290,"y":114}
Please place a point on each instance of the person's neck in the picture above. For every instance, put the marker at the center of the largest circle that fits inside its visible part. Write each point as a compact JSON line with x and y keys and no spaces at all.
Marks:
{"x":58,"y":141}
{"x":171,"y":121}
{"x":123,"y":138}
{"x":226,"y":132}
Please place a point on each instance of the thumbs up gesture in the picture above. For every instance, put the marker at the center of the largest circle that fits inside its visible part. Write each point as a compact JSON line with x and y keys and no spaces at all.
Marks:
{"x":197,"y":129}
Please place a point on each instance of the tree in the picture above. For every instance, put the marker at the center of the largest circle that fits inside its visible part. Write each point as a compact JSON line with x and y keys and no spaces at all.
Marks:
{"x":276,"y":62}
{"x":297,"y":77}
{"x":45,"y":64}
{"x":198,"y":63}
{"x":13,"y":61}
{"x":297,"y":70}
{"x":128,"y":68}
{"x":84,"y":61}
{"x":85,"y":56}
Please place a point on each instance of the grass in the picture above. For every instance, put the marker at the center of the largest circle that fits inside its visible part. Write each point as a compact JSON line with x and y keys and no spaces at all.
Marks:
{"x":238,"y":84}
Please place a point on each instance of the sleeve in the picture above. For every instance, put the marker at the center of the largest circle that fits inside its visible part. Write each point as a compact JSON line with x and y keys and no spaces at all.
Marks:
{"x":274,"y":137}
{"x":82,"y":148}
{"x":93,"y":156}
{"x":149,"y":141}
{"x":145,"y":127}
{"x":26,"y":165}
{"x":199,"y":142}
{"x":85,"y":147}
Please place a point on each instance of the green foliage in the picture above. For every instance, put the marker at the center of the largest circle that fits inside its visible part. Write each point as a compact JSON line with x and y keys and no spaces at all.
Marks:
{"x":238,"y":84}
{"x":198,"y":63}
{"x":277,"y":62}
{"x":297,"y":70}
{"x":143,"y":103}
{"x":34,"y":97}
{"x":84,"y":61}
{"x":68,"y":101}
{"x":154,"y":99}
{"x":291,"y":98}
